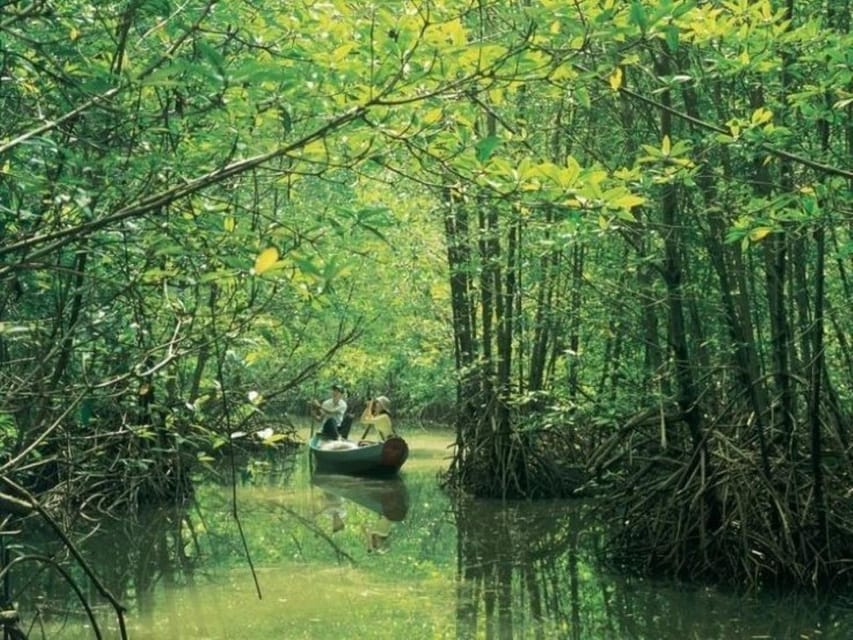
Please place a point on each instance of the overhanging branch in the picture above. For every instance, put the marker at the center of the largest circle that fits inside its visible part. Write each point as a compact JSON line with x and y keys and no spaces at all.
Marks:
{"x":709,"y":126}
{"x":53,"y":240}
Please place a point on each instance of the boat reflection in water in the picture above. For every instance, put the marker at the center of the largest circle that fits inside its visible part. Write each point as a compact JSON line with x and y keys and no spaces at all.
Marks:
{"x":389,"y":497}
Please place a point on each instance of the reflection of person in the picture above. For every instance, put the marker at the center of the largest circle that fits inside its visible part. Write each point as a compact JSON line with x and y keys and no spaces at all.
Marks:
{"x":332,"y":411}
{"x":336,"y":511}
{"x":377,"y":414}
{"x":338,"y":521}
{"x":377,"y":535}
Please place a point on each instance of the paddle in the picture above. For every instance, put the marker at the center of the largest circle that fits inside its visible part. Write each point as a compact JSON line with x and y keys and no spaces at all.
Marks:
{"x":311,"y":428}
{"x":369,"y":427}
{"x":312,"y":410}
{"x":368,"y":410}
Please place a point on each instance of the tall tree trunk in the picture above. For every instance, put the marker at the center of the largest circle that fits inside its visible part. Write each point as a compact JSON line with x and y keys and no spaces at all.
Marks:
{"x":688,"y":395}
{"x":734,"y":297}
{"x":775,"y":248}
{"x":457,"y":239}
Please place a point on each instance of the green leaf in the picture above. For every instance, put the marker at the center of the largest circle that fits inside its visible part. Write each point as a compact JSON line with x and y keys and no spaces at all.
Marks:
{"x":219,"y":276}
{"x":638,"y":15}
{"x":485,"y":147}
{"x":308,"y":267}
{"x":672,"y":38}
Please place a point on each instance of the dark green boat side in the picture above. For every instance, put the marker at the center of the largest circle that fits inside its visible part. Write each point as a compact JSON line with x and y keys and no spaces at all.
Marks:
{"x":364,"y":459}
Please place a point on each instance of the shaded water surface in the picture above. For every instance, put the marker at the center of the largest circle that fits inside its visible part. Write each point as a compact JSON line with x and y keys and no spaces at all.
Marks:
{"x":341,"y":558}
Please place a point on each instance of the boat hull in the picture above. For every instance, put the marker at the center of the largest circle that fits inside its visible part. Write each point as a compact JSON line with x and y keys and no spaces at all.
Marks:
{"x":374,"y":459}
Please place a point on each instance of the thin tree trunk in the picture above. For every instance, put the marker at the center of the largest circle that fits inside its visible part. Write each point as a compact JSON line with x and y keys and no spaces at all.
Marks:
{"x":817,"y":364}
{"x":542,"y":323}
{"x":575,"y":303}
{"x":78,"y":280}
{"x":815,"y":397}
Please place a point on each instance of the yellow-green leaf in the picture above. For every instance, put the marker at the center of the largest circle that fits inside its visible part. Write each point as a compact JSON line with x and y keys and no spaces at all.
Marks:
{"x":432,"y":116}
{"x":761,"y":115}
{"x":759,"y":233}
{"x":616,"y":79}
{"x":266,"y":259}
{"x":570,"y":173}
{"x":629,"y":201}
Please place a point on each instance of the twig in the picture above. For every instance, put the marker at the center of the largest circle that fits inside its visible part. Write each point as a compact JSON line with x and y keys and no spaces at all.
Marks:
{"x":102,"y":589}
{"x":11,"y":463}
{"x":317,"y":530}
{"x":68,"y":578}
{"x":232,"y":459}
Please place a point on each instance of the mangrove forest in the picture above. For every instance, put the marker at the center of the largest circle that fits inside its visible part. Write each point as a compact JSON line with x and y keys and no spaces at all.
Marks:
{"x":598,"y":253}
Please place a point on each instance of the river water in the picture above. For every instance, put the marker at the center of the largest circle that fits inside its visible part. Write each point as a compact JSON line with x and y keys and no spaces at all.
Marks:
{"x":319,"y":557}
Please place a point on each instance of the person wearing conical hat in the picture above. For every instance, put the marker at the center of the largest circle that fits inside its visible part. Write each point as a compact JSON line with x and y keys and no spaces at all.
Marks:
{"x":377,"y":414}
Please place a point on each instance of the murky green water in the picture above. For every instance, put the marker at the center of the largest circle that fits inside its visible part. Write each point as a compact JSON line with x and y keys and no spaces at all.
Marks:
{"x":482,"y":570}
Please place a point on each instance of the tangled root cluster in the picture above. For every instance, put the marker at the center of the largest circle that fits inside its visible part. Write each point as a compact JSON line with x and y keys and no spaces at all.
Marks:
{"x":724,"y":512}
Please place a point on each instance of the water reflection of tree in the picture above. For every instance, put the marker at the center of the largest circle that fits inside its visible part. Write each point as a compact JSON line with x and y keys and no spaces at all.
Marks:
{"x":160,"y":547}
{"x":262,"y":466}
{"x":518,"y":572}
{"x":529,"y":570}
{"x":131,"y":556}
{"x":154,"y":549}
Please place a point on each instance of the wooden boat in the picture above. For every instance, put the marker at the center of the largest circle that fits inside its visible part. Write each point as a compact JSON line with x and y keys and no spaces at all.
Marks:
{"x":388,"y":497}
{"x":358,"y":458}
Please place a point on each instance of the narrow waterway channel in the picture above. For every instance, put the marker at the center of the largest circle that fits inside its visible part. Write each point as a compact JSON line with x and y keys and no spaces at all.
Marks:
{"x":333,"y":557}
